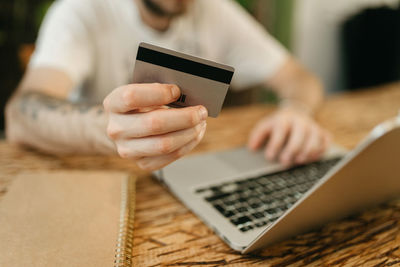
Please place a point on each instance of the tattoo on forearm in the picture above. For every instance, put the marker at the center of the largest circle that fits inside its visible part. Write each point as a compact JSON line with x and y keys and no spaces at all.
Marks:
{"x":31,"y":103}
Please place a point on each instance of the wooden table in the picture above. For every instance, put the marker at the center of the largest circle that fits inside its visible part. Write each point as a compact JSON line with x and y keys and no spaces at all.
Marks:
{"x":167,"y":234}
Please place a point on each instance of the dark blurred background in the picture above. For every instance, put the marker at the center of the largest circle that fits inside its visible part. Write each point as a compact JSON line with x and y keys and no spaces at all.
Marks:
{"x":19,"y":23}
{"x":348,"y":44}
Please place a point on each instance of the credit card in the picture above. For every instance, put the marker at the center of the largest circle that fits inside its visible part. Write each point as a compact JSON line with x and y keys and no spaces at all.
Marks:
{"x":202,"y":82}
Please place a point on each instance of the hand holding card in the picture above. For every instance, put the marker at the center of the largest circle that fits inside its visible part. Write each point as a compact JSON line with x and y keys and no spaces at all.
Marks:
{"x":138,"y":122}
{"x":202,"y":82}
{"x":145,"y":131}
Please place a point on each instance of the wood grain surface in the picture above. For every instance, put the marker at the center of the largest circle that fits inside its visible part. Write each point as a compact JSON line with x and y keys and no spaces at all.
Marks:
{"x":167,"y":234}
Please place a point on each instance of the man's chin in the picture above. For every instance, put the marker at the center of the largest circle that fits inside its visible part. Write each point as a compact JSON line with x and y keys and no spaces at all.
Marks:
{"x":159,"y":11}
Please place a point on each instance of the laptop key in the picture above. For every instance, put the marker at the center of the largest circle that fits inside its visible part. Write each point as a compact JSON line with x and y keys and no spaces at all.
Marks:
{"x":258,"y":215}
{"x":273,"y":219}
{"x":219,"y":208}
{"x":242,"y":200}
{"x":229,"y":203}
{"x":223,"y":211}
{"x":246,"y":228}
{"x":242,"y":209}
{"x":241,"y":220}
{"x":255,"y":205}
{"x":229,"y":213}
{"x":218,"y":196}
{"x":270,"y":211}
{"x":260,"y":224}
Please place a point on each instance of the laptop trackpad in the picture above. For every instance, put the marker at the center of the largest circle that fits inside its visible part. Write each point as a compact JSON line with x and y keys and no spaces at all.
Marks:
{"x":242,"y":160}
{"x":215,"y":166}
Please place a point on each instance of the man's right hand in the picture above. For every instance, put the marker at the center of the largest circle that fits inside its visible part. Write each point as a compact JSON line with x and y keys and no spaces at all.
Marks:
{"x":145,"y":130}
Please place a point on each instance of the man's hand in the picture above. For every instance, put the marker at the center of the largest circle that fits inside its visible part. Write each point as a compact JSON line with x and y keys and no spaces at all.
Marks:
{"x":145,"y":130}
{"x":293,"y":137}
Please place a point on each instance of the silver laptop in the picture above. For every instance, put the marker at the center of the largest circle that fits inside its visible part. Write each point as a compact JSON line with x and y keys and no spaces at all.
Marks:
{"x":251,"y":203}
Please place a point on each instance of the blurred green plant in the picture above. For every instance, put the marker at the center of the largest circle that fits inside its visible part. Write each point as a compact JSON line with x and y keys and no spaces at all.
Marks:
{"x":275,"y":15}
{"x":284,"y":21}
{"x":247,"y":4}
{"x":41,"y":12}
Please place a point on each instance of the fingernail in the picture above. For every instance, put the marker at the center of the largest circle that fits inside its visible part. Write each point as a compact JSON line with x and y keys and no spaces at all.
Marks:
{"x":175,"y":91}
{"x":285,"y":159}
{"x":250,"y":146}
{"x":270,"y":157}
{"x":201,"y":135}
{"x":203,"y":113}
{"x":300,"y":159}
{"x":199,"y":127}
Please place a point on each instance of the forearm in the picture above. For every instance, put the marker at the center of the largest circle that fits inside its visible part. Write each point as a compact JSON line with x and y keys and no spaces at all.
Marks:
{"x":298,"y":87}
{"x":56,"y":126}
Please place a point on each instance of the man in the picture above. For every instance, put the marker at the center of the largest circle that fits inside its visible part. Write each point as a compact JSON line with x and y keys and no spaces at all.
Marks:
{"x":85,"y":54}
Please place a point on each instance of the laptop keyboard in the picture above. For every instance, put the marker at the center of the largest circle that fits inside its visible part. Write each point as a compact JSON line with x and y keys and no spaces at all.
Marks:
{"x":258,"y":201}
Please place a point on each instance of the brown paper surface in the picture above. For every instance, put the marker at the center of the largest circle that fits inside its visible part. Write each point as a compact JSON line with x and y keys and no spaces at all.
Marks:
{"x":68,"y":218}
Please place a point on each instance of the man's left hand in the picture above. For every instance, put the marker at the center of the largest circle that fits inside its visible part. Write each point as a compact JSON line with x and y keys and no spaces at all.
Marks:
{"x":293,"y":137}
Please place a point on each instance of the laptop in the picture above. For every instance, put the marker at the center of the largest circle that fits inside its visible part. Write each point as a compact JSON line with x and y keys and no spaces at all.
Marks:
{"x":251,"y":203}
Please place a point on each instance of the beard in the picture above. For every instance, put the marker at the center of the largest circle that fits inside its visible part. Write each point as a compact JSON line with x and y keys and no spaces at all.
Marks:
{"x":159,"y":11}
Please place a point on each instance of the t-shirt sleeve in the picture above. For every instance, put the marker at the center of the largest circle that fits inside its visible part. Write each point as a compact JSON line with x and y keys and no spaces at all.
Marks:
{"x":63,"y":41}
{"x":246,"y":45}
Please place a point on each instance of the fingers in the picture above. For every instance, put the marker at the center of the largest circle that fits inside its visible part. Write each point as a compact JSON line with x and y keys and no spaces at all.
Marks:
{"x":312,"y":146}
{"x":278,"y":137}
{"x":157,"y":122}
{"x":292,"y":136}
{"x":295,"y":143}
{"x":306,"y":144}
{"x":143,"y":128}
{"x":133,"y":96}
{"x":157,"y":162}
{"x":260,"y":132}
{"x":326,"y":141}
{"x":159,"y":144}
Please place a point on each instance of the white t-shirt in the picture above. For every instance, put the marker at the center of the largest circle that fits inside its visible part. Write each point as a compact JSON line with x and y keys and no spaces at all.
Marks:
{"x":95,"y":42}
